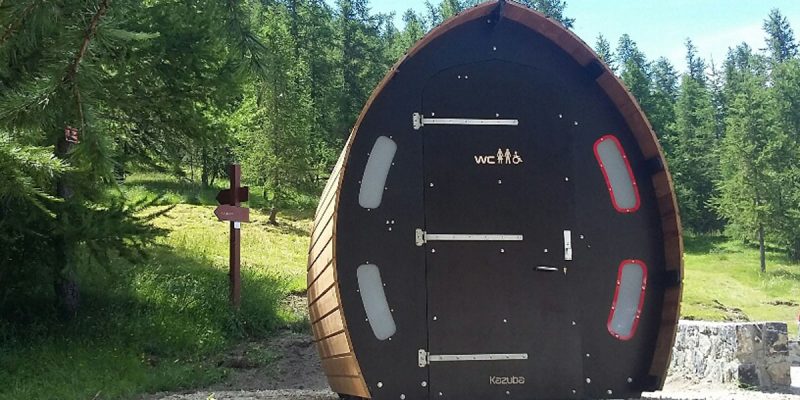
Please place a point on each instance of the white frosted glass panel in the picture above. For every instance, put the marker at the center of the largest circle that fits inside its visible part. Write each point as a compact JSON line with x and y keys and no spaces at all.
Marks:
{"x":617,"y":173}
{"x":628,"y":297}
{"x":370,"y":286}
{"x":376,"y":171}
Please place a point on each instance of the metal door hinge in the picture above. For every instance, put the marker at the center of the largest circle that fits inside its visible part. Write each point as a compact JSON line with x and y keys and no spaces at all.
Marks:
{"x":418,"y":121}
{"x":421,"y":237}
{"x":422,"y":358}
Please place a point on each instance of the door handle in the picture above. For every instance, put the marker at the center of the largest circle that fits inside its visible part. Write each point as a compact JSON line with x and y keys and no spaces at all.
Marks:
{"x":546,"y":268}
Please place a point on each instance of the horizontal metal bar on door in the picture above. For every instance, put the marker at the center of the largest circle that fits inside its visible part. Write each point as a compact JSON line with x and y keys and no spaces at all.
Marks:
{"x":419,"y":121}
{"x":471,"y":236}
{"x":476,"y":357}
{"x":423,"y":237}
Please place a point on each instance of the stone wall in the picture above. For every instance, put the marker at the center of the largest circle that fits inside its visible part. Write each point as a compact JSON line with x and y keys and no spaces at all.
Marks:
{"x":751,"y":354}
{"x":794,"y":353}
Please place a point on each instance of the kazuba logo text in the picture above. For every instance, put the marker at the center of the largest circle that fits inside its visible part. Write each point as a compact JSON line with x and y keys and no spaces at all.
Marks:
{"x":506,"y":380}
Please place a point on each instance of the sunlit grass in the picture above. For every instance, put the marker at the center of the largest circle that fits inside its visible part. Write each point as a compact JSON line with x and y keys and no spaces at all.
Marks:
{"x":721,"y":271}
{"x":265,"y":249}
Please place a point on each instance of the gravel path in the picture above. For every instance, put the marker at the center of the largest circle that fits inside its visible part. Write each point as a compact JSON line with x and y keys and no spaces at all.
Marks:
{"x":281,"y":394}
{"x":673,"y":392}
{"x":718,"y":394}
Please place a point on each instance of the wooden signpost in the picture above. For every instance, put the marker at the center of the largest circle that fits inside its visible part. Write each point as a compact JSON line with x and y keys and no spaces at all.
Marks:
{"x":230,"y":210}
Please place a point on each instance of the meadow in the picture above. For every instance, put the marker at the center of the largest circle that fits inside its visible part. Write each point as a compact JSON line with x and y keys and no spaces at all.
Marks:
{"x":164,"y":323}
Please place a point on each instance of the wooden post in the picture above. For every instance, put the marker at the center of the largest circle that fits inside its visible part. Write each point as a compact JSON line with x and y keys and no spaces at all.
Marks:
{"x":229,"y":209}
{"x":235,"y":173}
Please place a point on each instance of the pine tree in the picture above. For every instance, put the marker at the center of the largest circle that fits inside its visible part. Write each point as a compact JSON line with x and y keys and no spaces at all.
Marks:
{"x":119,"y":76}
{"x":693,"y":148}
{"x":603,"y":49}
{"x":664,"y":95}
{"x":695,"y":64}
{"x":553,"y":9}
{"x":781,"y":44}
{"x":279,"y":148}
{"x":786,"y":93}
{"x":634,"y":70}
{"x":413,"y":31}
{"x":718,"y":100}
{"x":748,"y":188}
{"x":363,"y":61}
{"x":449,"y":8}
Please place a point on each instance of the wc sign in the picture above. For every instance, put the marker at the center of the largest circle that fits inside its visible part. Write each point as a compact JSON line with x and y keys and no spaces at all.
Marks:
{"x":502,"y":157}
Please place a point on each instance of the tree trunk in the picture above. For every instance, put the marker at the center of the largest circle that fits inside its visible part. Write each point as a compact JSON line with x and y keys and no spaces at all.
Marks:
{"x":761,"y":249}
{"x":205,"y":167}
{"x":273,"y":215}
{"x":65,"y":282}
{"x":794,"y":251}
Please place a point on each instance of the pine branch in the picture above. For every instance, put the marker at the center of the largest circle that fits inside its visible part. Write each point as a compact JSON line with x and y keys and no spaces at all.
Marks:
{"x":91,"y":31}
{"x":72,"y":70}
{"x":14,"y":25}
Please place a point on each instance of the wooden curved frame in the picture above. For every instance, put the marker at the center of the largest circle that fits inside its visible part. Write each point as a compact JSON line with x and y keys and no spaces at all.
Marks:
{"x":328,"y":324}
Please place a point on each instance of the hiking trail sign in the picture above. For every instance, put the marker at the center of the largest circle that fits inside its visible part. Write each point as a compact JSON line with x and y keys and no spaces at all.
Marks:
{"x":230,"y":210}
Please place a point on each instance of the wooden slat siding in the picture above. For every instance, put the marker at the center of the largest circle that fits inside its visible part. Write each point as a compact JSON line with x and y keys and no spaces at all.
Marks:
{"x":324,"y":237}
{"x":346,"y":384}
{"x":333,"y":346}
{"x":329,"y":325}
{"x":318,"y":270}
{"x":325,"y":258}
{"x":325,"y":280}
{"x":326,"y":201}
{"x":326,"y":218}
{"x":325,"y":304}
{"x":670,"y":315}
{"x":340,"y":366}
{"x":327,"y":193}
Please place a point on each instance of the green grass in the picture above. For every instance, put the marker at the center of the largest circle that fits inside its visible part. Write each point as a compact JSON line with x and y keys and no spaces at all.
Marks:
{"x":165,"y":323}
{"x":722,"y":276}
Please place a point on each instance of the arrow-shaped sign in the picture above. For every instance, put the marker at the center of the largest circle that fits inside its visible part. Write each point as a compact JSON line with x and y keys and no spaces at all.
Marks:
{"x":225,"y":196}
{"x":232,"y":213}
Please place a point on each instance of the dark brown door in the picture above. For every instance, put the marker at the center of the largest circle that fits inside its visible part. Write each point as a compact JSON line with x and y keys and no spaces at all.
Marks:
{"x":498,"y":222}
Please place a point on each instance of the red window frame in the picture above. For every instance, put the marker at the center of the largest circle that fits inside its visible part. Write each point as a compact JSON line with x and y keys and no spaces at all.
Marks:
{"x":608,"y":181}
{"x":636,"y":318}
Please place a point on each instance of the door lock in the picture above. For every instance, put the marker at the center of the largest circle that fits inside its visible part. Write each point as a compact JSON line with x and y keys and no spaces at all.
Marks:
{"x":567,"y":245}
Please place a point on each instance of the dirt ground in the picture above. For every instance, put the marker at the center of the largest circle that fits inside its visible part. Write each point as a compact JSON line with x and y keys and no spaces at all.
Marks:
{"x":287,"y":367}
{"x":293,"y":372}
